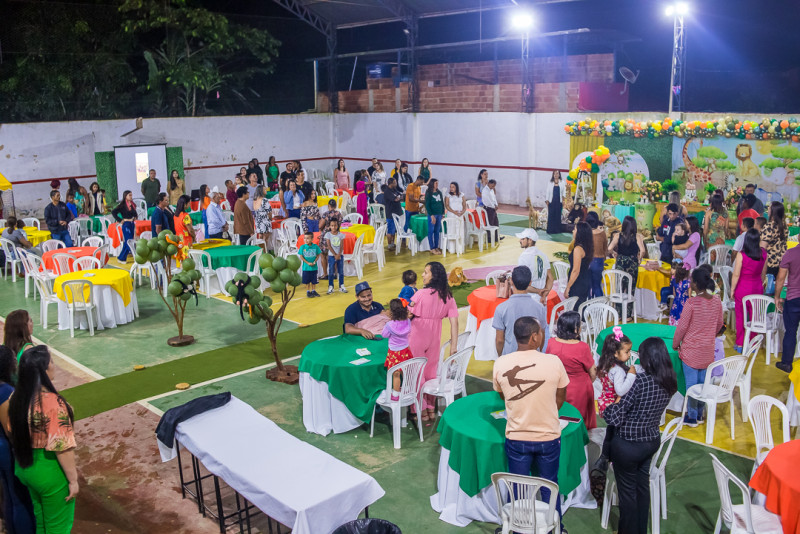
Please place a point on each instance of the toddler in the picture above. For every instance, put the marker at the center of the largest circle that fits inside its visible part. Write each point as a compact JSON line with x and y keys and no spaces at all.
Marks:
{"x":679,"y":237}
{"x":409,"y":285}
{"x":680,"y":290}
{"x":397,"y":331}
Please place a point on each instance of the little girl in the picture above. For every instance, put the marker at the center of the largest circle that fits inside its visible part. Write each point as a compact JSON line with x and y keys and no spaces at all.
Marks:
{"x":680,"y":290}
{"x":616,"y":379}
{"x":397,"y":331}
{"x":679,"y":237}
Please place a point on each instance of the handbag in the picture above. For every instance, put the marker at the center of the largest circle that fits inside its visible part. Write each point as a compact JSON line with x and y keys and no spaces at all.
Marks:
{"x":503,"y":286}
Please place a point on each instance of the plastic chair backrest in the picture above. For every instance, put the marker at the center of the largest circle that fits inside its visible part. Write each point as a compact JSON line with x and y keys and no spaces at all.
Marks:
{"x":330,"y":188}
{"x":561,"y":307}
{"x":751,"y":348}
{"x":358,"y":246}
{"x":140,"y":203}
{"x":522,"y":492}
{"x":590,"y":302}
{"x":86,"y":263}
{"x":52,"y":244}
{"x":62,"y":263}
{"x":726,"y":273}
{"x":32,"y":221}
{"x":724,"y":477}
{"x":399,"y":222}
{"x":598,"y":316}
{"x":491,"y":278}
{"x":380,"y":235}
{"x":9,"y":249}
{"x":454,"y":368}
{"x":618,"y":282}
{"x":451,"y":227}
{"x":146,"y":235}
{"x":93,"y":241}
{"x":202,"y":259}
{"x":35,"y":262}
{"x":562,"y":270}
{"x":732,"y":368}
{"x":668,"y":436}
{"x":721,"y":255}
{"x":377,"y":211}
{"x":412,"y":375}
{"x":484,"y":217}
{"x":252,"y":263}
{"x":101,"y":254}
{"x":74,"y":293}
{"x":353,"y":218}
{"x":759,"y":410}
{"x":225,"y":205}
{"x":755,"y":311}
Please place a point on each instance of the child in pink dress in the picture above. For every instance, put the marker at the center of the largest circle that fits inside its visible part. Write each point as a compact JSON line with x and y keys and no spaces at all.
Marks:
{"x":397,"y":331}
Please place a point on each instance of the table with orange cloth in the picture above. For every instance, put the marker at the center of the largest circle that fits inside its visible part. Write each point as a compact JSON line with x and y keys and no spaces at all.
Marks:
{"x":482,"y":304}
{"x":777,"y":479}
{"x":78,"y":252}
{"x":141,"y":226}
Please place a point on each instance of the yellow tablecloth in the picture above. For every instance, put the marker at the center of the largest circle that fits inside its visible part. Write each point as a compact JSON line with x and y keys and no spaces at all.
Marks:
{"x":36,"y":236}
{"x":791,"y":244}
{"x":794,"y":377}
{"x":652,"y":280}
{"x":211,"y":243}
{"x":323,"y":200}
{"x":362,"y":229}
{"x":118,"y":279}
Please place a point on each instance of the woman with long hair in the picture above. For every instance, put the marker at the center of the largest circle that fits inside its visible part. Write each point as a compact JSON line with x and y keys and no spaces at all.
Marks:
{"x":425,"y":170}
{"x":429,"y":306}
{"x":340,"y":176}
{"x":362,"y":200}
{"x":73,"y":186}
{"x":18,"y":332}
{"x":600,"y":253}
{"x":636,"y":418}
{"x":176,"y":187}
{"x":715,"y":222}
{"x":205,"y":199}
{"x":125,"y":213}
{"x":749,"y":271}
{"x":293,"y":198}
{"x":434,"y":207}
{"x":773,"y":237}
{"x":481,"y":182}
{"x":629,"y":248}
{"x":273,"y":172}
{"x":580,"y":279}
{"x":396,"y":171}
{"x":44,"y":442}
{"x":554,"y":199}
{"x":262,"y":212}
{"x":183,"y":222}
{"x":96,"y":200}
{"x":454,"y":201}
{"x":309,"y":213}
{"x":693,"y":245}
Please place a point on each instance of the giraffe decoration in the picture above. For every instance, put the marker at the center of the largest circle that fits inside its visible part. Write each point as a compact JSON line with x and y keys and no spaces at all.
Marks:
{"x":696,"y":174}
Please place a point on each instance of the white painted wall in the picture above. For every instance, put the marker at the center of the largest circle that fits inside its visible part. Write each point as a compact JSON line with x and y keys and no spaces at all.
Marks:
{"x":37,"y":151}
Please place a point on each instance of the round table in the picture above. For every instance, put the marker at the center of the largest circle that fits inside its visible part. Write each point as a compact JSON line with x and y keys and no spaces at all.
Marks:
{"x":231,"y":256}
{"x":78,"y":252}
{"x":141,"y":226}
{"x":776,"y":478}
{"x":419,"y":226}
{"x":114,"y":298}
{"x":338,"y":395}
{"x":473,"y":447}
{"x":482,"y":304}
{"x":211,"y":243}
{"x":361,"y":229}
{"x":36,"y":236}
{"x":322,"y":200}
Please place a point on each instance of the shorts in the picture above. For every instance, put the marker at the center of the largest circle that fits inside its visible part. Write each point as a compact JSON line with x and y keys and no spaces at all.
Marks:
{"x":310,"y":277}
{"x":393,"y":357}
{"x":390,"y":229}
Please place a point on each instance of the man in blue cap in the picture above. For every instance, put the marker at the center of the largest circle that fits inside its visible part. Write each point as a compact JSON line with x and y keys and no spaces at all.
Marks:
{"x":361,"y":309}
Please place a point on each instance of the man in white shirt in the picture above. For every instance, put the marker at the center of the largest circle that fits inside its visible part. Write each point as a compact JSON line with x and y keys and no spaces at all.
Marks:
{"x":490,"y":202}
{"x":537,"y":261}
{"x":747,"y":223}
{"x":214,"y":216}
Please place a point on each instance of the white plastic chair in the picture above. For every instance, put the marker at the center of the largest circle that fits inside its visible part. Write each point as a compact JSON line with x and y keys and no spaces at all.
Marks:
{"x":407,"y":235}
{"x":491,"y":278}
{"x":494,"y":231}
{"x":750,"y":351}
{"x":741,"y":517}
{"x":330,"y":189}
{"x":252,"y":263}
{"x":225,"y":205}
{"x":353,"y":218}
{"x":93,"y":241}
{"x":46,"y":297}
{"x":376,"y":247}
{"x":229,"y":219}
{"x":713,"y":394}
{"x":86,"y":263}
{"x":101,"y":253}
{"x":32,"y":221}
{"x":293,"y":228}
{"x":52,"y":244}
{"x":409,"y":396}
{"x":141,"y":214}
{"x":356,"y":257}
{"x":377,"y":214}
{"x":452,"y":232}
{"x":202,"y":261}
{"x":472,"y":204}
{"x":558,"y":309}
{"x":728,"y":304}
{"x":621,"y":291}
{"x":597,"y":318}
{"x":760,"y":410}
{"x":84,"y":228}
{"x":28,"y":268}
{"x":148,"y":235}
{"x":561,"y":269}
{"x":12,"y":259}
{"x":658,"y":480}
{"x":756,"y":320}
{"x":78,"y":301}
{"x":653,"y":251}
{"x":720,"y":256}
{"x":74,"y":230}
{"x":450,"y":379}
{"x":461,"y":344}
{"x":140,"y":203}
{"x":520,"y":510}
{"x":63,"y":263}
{"x":471,"y":231}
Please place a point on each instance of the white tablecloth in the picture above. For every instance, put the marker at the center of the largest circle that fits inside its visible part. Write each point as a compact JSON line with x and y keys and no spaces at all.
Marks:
{"x":291,"y":481}
{"x":647,"y":304}
{"x":459,"y":509}
{"x":110,"y":310}
{"x":482,"y":337}
{"x":322,"y":412}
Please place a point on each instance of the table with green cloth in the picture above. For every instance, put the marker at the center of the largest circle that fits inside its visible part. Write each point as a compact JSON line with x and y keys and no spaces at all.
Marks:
{"x":419,"y":226}
{"x":339,"y":395}
{"x":97,"y":226}
{"x":473,"y":448}
{"x":232,"y":256}
{"x":619,"y":211}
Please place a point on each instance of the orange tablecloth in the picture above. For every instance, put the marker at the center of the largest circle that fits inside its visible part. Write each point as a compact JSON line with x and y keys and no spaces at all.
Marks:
{"x":473,"y":217}
{"x":349,"y":192}
{"x":141,"y":226}
{"x":777,"y":478}
{"x":275,"y":204}
{"x":347,"y":248}
{"x":78,"y":252}
{"x":483,"y":302}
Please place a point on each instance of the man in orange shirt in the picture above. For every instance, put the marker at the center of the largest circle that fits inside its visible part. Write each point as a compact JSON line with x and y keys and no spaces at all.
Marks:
{"x":413,"y":196}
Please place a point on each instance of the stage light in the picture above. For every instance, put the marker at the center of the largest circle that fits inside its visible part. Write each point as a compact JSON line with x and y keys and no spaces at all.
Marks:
{"x":522,"y":20}
{"x":669,"y":11}
{"x":681,"y":8}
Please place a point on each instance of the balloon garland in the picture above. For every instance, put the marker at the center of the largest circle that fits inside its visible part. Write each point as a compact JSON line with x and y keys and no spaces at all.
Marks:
{"x":589,"y":164}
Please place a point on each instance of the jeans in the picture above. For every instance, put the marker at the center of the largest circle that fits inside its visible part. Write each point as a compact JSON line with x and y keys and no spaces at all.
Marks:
{"x":409,"y":214}
{"x":522,"y":455}
{"x":215,"y":236}
{"x":631,"y":461}
{"x":596,"y":269}
{"x":335,"y":266}
{"x":665,"y":293}
{"x":62,"y":235}
{"x":693,"y":376}
{"x":294,"y":213}
{"x":128,"y":229}
{"x":791,"y":319}
{"x":434,"y":227}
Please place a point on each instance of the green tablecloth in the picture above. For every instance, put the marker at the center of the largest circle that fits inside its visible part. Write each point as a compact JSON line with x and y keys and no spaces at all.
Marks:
{"x":794,"y":230}
{"x":419,"y":225}
{"x":476,"y":441}
{"x":232,"y":256}
{"x":619,"y":211}
{"x":271,"y":194}
{"x":644,"y":215}
{"x":639,"y":332}
{"x":357,"y":386}
{"x":97,"y":226}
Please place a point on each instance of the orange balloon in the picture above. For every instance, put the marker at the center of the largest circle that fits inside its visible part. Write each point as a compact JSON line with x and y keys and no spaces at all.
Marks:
{"x":784,"y":123}
{"x":795,"y":138}
{"x":747,"y":126}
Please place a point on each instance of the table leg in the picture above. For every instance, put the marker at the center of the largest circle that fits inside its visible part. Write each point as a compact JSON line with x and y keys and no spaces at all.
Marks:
{"x":220,"y":514}
{"x":180,"y":469}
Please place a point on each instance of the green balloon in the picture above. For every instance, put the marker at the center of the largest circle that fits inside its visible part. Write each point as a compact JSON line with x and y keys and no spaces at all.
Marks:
{"x":174,"y":288}
{"x":155,"y":256}
{"x":277,"y":286}
{"x":172,"y":250}
{"x":195,"y":274}
{"x":142,"y":248}
{"x":286,"y":275}
{"x":163,"y":233}
{"x":264,"y":261}
{"x":153,"y":243}
{"x":255,"y":319}
{"x":269,"y":274}
{"x":188,"y":264}
{"x":249,"y":291}
{"x":186,"y":296}
{"x":296,"y":280}
{"x":140,"y":259}
{"x":279,"y":264}
{"x":162,"y":246}
{"x":255,"y":282}
{"x":294,"y":262}
{"x":240,"y":277}
{"x":230,"y":288}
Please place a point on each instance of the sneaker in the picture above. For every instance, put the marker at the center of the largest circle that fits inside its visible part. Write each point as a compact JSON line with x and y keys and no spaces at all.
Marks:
{"x":701,"y":418}
{"x":309,"y":294}
{"x":737,"y":348}
{"x":691,"y":422}
{"x":330,"y":290}
{"x":392,"y":246}
{"x":315,"y":293}
{"x":343,"y":289}
{"x":785,"y":367}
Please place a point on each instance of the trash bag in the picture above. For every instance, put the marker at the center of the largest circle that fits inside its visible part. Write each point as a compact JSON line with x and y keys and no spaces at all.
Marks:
{"x":368,"y":526}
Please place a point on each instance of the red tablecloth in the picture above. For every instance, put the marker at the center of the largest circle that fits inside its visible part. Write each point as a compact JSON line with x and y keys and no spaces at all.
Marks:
{"x":141,"y":226}
{"x":347,"y":248}
{"x":473,"y":217}
{"x":483,"y":302}
{"x":777,"y":478}
{"x":78,"y":252}
{"x":276,"y":223}
{"x":275,"y":204}
{"x":349,"y":192}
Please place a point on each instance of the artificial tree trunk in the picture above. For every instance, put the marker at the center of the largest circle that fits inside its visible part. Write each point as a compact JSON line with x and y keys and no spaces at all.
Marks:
{"x":177,"y":309}
{"x":288,"y":374}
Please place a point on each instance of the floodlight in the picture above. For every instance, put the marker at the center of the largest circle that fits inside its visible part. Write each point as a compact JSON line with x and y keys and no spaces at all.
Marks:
{"x":681,"y":8}
{"x":669,"y":11}
{"x":522,"y":20}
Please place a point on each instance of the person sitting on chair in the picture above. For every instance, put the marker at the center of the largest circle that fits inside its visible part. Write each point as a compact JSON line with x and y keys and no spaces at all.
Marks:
{"x":363,"y":311}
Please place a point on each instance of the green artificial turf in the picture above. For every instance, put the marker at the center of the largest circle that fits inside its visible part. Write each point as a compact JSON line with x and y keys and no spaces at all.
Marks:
{"x":102,"y":395}
{"x":460,"y":293}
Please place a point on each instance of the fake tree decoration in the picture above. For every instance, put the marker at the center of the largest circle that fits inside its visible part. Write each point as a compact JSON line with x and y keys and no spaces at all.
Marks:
{"x":254,"y":306}
{"x":180,"y":286}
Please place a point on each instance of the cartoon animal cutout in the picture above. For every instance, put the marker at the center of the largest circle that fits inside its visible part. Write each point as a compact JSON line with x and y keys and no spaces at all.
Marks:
{"x":638,"y":178}
{"x":696,"y":174}
{"x":747,"y":169}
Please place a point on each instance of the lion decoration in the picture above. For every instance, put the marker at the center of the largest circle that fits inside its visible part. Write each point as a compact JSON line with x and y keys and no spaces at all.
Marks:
{"x":747,"y":169}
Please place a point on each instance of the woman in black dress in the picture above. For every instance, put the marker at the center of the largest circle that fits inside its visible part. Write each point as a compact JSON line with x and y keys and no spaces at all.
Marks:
{"x":555,"y":194}
{"x":580,"y":278}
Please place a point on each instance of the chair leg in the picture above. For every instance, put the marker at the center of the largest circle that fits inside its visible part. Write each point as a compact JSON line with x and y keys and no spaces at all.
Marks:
{"x":90,"y":320}
{"x":718,"y":526}
{"x":606,"y":504}
{"x":655,"y":504}
{"x":71,"y":323}
{"x":711,"y":417}
{"x":732,"y":421}
{"x":372,"y":422}
{"x":419,"y":419}
{"x":662,"y":480}
{"x":396,"y":425}
{"x":744,"y":398}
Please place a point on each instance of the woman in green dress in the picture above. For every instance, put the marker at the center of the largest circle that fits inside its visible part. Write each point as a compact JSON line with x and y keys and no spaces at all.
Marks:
{"x":272,"y":174}
{"x":715,"y":223}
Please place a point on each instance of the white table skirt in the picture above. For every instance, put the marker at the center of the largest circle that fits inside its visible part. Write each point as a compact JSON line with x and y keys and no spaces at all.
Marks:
{"x":482,"y":338}
{"x":110,"y":310}
{"x":647,"y":304}
{"x":459,"y":509}
{"x":294,"y":482}
{"x":322,"y":412}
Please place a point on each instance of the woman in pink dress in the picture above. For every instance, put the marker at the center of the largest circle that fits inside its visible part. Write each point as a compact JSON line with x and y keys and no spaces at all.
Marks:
{"x":579,"y":364}
{"x":340,"y":176}
{"x":748,"y":278}
{"x":429,"y":306}
{"x":362,"y":200}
